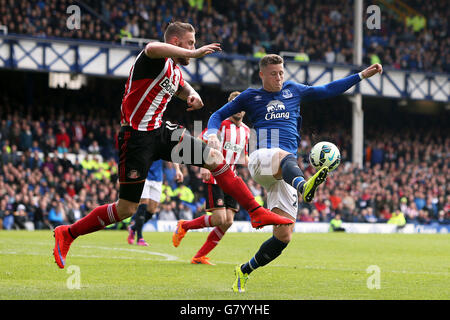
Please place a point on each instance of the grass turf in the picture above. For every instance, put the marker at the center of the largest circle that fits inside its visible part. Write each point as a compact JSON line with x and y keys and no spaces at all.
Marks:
{"x":313,"y":266}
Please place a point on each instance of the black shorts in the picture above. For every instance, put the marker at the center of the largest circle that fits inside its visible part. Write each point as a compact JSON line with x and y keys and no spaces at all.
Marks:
{"x":216,"y":198}
{"x":138,"y":149}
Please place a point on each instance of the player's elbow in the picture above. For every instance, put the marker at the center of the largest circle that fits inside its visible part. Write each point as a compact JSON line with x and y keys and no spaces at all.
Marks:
{"x":152,"y":49}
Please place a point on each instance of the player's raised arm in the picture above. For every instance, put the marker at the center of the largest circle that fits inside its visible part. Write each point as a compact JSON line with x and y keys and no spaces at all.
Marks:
{"x":234,"y":106}
{"x":166,"y":50}
{"x":179,"y":177}
{"x":179,"y":45}
{"x":193,"y":99}
{"x":337,"y":87}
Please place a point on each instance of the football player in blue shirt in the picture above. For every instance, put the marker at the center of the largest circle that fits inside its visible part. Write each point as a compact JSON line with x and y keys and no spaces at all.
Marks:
{"x":274,"y":111}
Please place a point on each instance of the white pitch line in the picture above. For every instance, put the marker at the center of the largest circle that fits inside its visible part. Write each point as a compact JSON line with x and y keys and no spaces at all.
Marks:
{"x":169,"y":257}
{"x":80,"y":256}
{"x":165,"y":255}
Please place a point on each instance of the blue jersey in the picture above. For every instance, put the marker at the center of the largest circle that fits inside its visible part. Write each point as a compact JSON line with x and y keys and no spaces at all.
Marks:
{"x":155,"y":173}
{"x":276,"y":115}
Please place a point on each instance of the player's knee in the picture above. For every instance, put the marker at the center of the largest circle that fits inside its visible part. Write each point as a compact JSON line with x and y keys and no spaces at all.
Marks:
{"x":227,"y":224}
{"x":213,"y":159}
{"x":220,"y":218}
{"x":151,"y":208}
{"x":126,"y":210}
{"x":229,"y":220}
{"x":286,"y":239}
{"x":283,"y":234}
{"x":129,"y":211}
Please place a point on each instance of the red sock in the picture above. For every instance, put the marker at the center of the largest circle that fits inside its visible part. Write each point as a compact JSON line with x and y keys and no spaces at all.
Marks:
{"x":98,"y":219}
{"x":197,"y":223}
{"x":211,"y":242}
{"x":233,"y":185}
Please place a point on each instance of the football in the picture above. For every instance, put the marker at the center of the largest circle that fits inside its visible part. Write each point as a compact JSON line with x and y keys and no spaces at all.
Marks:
{"x":325,"y":154}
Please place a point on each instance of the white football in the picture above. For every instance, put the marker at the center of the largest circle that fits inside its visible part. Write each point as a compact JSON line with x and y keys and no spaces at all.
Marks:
{"x":325,"y":154}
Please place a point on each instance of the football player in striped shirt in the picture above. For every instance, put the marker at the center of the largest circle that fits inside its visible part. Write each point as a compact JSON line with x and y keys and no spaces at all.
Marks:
{"x":234,"y":136}
{"x":154,"y":79}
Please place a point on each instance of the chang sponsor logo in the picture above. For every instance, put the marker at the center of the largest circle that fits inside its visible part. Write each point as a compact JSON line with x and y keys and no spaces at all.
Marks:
{"x":276,"y":110}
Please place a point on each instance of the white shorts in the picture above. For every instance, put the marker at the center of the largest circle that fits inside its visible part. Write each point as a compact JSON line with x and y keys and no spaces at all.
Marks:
{"x":152,"y":190}
{"x":279,"y":194}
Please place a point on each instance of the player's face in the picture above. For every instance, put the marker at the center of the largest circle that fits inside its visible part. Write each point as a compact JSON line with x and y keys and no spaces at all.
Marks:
{"x":187,"y":41}
{"x":272,"y":77}
{"x":238,"y":116}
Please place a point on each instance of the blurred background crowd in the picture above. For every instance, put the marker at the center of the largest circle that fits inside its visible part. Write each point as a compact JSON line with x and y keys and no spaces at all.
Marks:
{"x":413,"y":37}
{"x":58,"y":147}
{"x":59,"y":157}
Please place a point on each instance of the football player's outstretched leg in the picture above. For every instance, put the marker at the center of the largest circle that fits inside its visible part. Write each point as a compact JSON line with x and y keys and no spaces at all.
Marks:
{"x":274,"y":111}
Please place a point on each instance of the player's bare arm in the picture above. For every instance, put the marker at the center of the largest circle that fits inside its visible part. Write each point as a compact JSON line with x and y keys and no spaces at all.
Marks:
{"x":213,"y":141}
{"x":245,"y":160}
{"x":178,"y":174}
{"x":372,"y":70}
{"x":157,"y":50}
{"x":205,"y":173}
{"x":193,"y":99}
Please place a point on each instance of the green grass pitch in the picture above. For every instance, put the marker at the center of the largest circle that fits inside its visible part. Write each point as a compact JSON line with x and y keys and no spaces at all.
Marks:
{"x":313,"y":267}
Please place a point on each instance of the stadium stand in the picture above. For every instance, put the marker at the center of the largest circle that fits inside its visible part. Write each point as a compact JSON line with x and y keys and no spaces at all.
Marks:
{"x":415,"y":39}
{"x":59,"y":147}
{"x":51,"y":173}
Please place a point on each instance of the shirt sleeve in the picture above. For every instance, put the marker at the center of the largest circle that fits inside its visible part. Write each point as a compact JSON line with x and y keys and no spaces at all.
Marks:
{"x":232,"y":107}
{"x":247,"y":137}
{"x":328,"y":90}
{"x":202,"y":135}
{"x":181,"y":84}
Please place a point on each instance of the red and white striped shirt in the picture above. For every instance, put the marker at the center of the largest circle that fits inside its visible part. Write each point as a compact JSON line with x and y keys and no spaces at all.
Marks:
{"x":149,"y":88}
{"x":234,"y":140}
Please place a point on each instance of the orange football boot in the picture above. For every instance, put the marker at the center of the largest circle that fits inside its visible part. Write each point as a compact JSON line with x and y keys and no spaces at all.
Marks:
{"x":179,"y":234}
{"x":202,"y":260}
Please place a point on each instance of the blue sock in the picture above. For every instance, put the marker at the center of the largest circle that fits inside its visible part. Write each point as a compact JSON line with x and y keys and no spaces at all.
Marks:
{"x":268,"y":252}
{"x":292,"y":173}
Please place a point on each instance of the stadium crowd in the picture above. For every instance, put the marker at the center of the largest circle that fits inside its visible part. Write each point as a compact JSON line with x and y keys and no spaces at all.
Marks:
{"x":59,"y":160}
{"x":320,"y":31}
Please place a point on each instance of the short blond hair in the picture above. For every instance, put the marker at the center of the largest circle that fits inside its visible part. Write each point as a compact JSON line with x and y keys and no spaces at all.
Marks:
{"x":270,"y":59}
{"x":177,"y":29}
{"x":233,"y":95}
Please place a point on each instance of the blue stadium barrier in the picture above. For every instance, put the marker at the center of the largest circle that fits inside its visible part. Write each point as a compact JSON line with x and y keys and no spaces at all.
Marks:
{"x":232,"y":72}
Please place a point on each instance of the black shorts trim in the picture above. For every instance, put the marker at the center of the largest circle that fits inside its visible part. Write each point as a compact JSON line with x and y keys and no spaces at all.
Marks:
{"x":138,"y":149}
{"x":216,"y":198}
{"x":131,"y":191}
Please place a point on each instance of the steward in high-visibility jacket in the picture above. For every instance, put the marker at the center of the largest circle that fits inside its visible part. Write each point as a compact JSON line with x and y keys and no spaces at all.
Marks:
{"x":336,"y":224}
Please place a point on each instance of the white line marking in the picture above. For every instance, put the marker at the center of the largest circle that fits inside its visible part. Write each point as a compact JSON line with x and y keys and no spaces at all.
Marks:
{"x":165,"y":255}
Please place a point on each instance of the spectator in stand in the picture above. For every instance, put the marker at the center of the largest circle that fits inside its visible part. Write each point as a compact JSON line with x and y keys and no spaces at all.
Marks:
{"x":419,"y":43}
{"x":336,"y":224}
{"x":167,"y":212}
{"x":94,"y":148}
{"x":413,"y":174}
{"x":62,"y":137}
{"x":78,"y":132}
{"x":56,"y":215}
{"x":20,"y":217}
{"x":40,"y":216}
{"x":304,"y":216}
{"x":8,"y":216}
